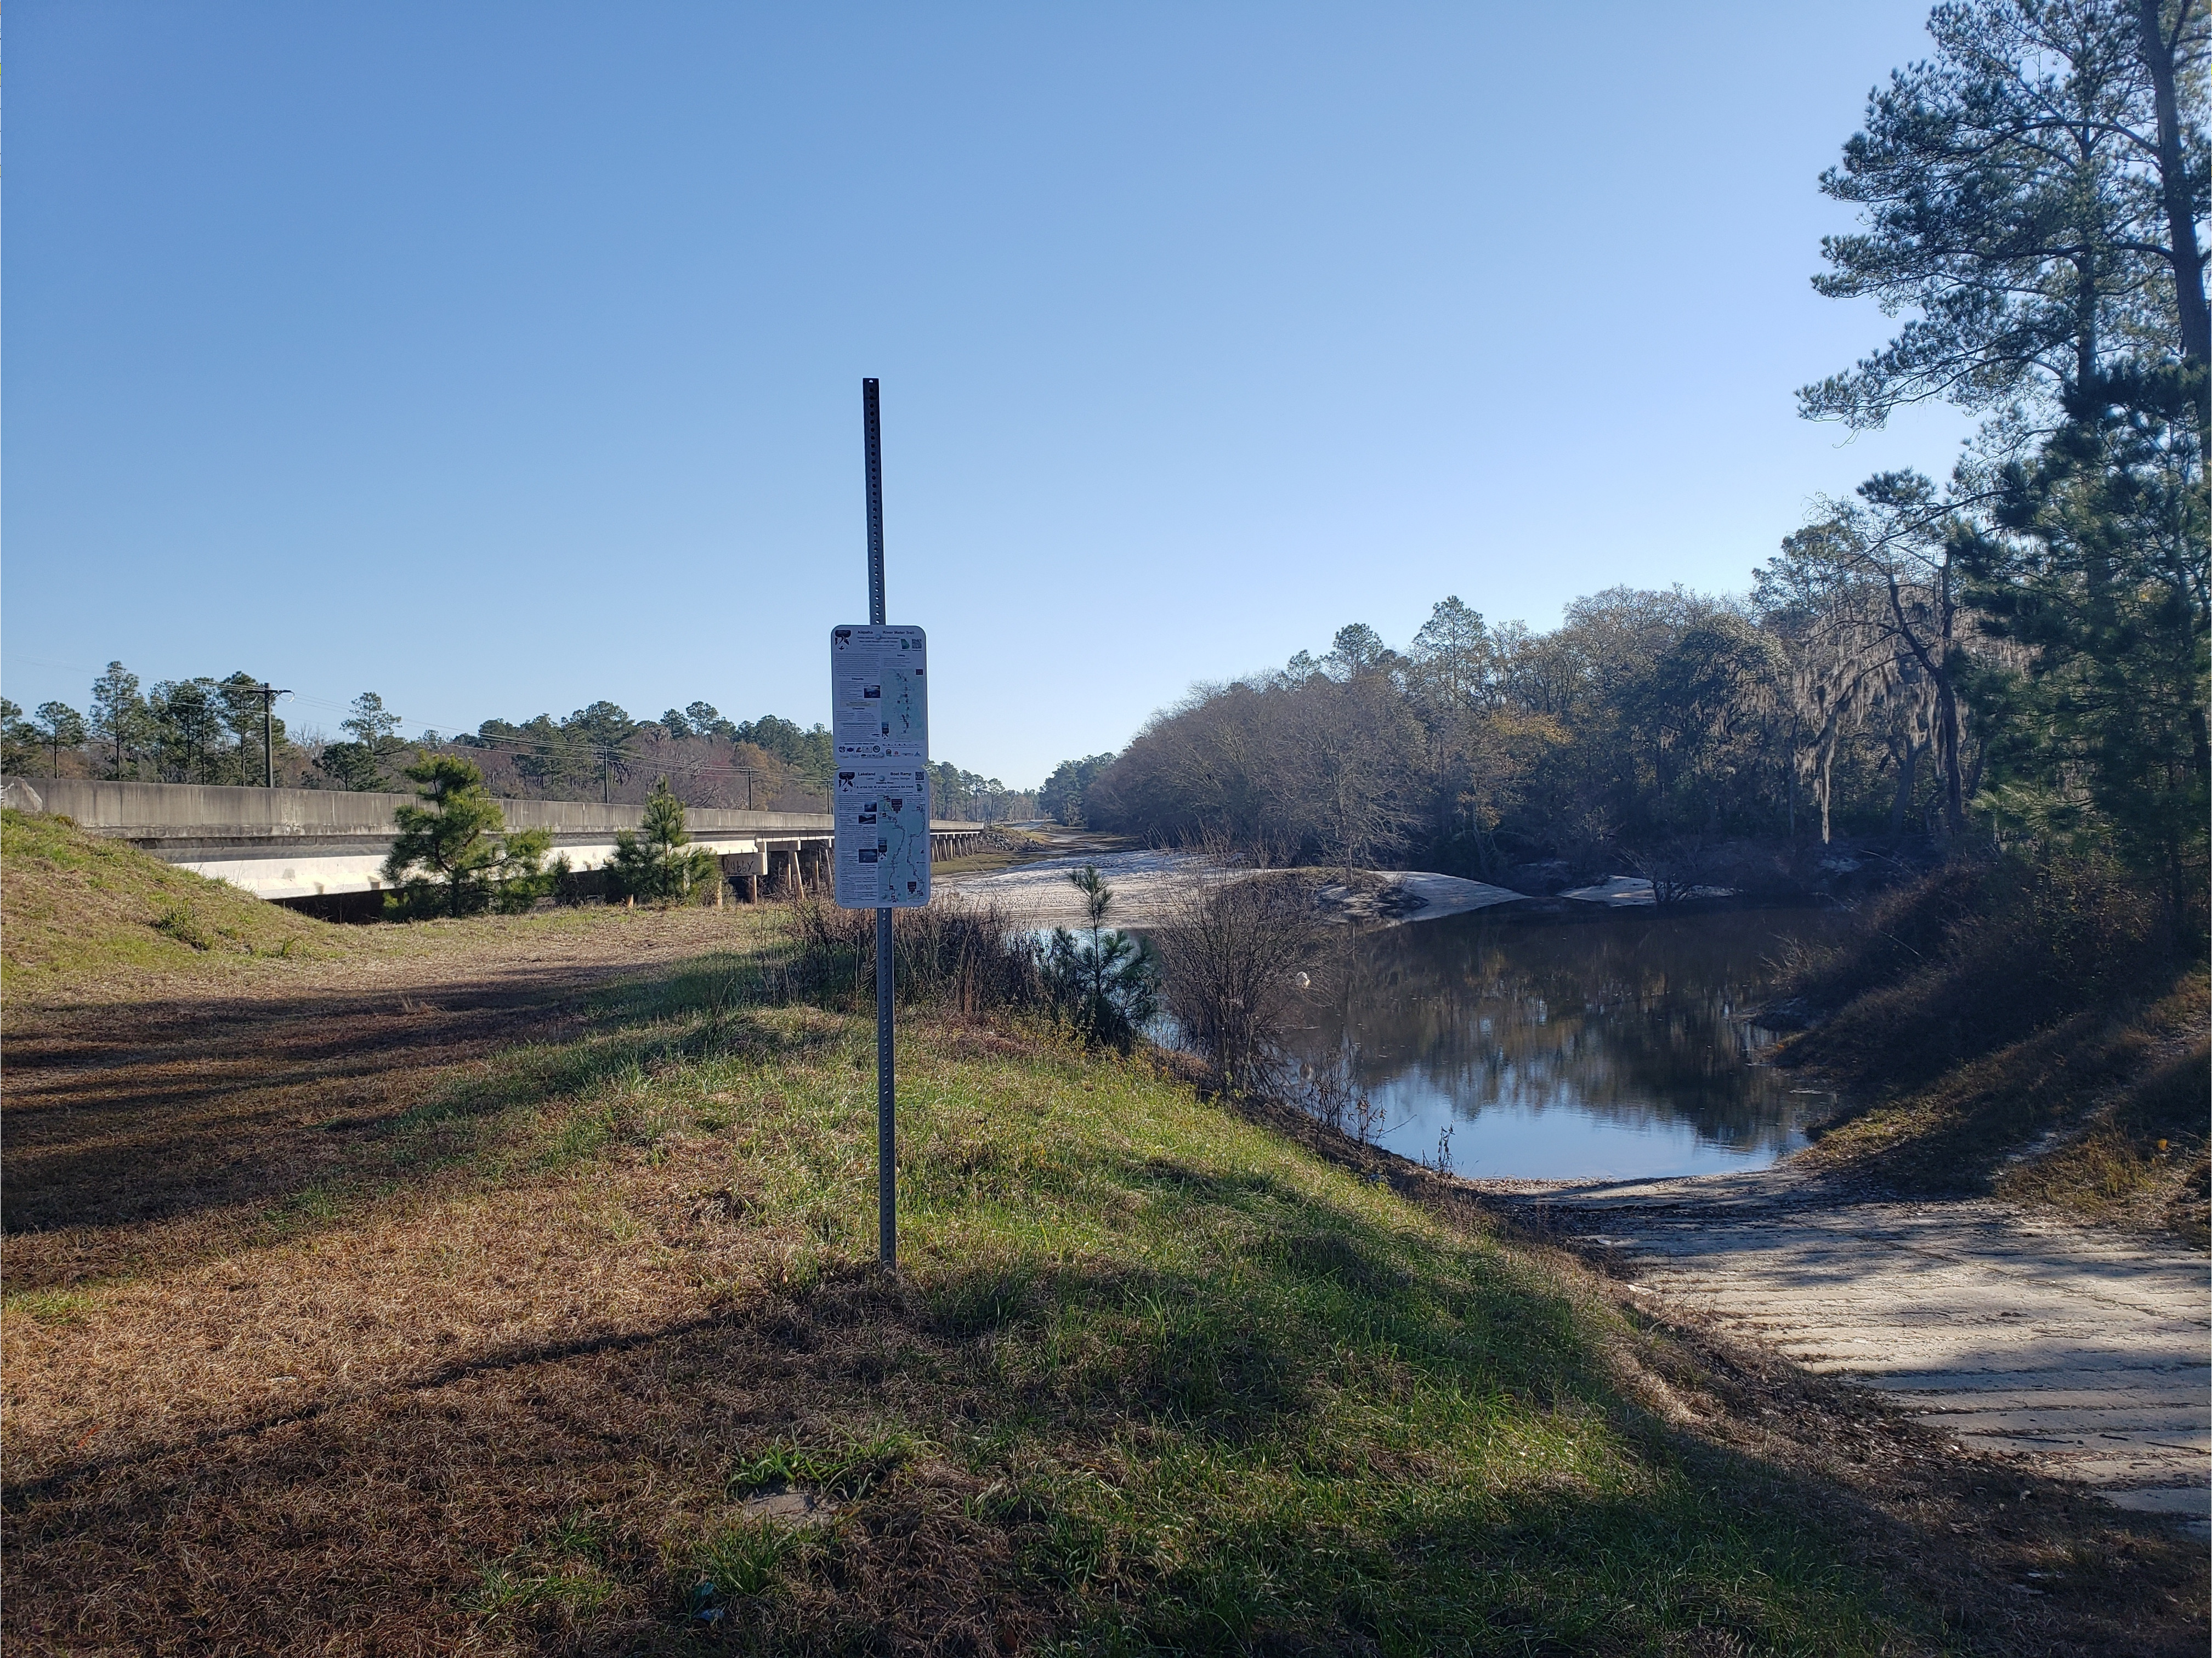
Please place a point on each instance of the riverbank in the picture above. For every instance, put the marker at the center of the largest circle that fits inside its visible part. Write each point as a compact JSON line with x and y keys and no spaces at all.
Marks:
{"x":1033,"y":889}
{"x":513,"y":1290}
{"x":2003,"y":1226}
{"x":2034,"y":1033}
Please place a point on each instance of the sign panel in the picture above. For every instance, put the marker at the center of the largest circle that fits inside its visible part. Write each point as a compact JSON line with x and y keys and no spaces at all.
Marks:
{"x":879,"y":694}
{"x":881,"y":817}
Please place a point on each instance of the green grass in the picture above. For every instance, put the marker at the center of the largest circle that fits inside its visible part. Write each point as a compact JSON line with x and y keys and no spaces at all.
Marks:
{"x":50,"y":1306}
{"x":78,"y":905}
{"x":1211,"y":1394}
{"x":1251,"y":1394}
{"x":1158,"y":1380}
{"x":745,"y":1559}
{"x":563,"y":1575}
{"x":846,"y":1468}
{"x":1206,"y":1393}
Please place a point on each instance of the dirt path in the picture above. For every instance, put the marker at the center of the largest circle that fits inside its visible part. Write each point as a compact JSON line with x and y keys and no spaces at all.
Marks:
{"x":2082,"y":1356}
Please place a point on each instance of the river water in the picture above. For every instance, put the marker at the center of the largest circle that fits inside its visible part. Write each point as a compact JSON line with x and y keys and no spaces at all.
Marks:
{"x":1616,"y":1047}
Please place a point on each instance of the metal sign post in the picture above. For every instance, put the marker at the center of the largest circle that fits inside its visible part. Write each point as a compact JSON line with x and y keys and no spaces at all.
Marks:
{"x":880,"y":798}
{"x":886,"y":1086}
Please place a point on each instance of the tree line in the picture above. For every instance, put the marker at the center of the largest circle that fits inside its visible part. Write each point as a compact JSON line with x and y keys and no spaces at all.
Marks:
{"x":2016,"y":653}
{"x":212,"y":731}
{"x":201,"y":730}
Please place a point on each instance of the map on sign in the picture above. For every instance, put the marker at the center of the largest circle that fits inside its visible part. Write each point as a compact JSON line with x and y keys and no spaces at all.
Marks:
{"x":878,"y":694}
{"x":882,"y":818}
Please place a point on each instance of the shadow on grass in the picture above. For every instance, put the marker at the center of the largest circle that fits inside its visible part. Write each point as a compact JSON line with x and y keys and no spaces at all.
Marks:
{"x":300,"y":1105}
{"x":1254,"y":1413}
{"x":1351,"y":1507}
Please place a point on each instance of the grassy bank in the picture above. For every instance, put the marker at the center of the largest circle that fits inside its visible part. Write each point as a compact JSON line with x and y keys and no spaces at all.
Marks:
{"x":568,"y":1338}
{"x":2037,"y":1032}
{"x":78,"y":908}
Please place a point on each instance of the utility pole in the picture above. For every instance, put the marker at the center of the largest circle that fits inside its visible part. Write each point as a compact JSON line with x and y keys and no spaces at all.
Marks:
{"x":268,"y":694}
{"x":886,"y":1090}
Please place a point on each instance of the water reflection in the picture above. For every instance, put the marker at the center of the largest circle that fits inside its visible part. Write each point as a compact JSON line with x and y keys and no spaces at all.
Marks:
{"x":1618,"y":1047}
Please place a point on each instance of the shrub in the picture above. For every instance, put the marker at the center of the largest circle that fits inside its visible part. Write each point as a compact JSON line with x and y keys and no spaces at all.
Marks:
{"x":967,"y":957}
{"x":1236,"y":953}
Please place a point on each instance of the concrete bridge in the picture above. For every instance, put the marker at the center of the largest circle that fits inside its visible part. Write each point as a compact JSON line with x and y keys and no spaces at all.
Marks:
{"x":300,"y":845}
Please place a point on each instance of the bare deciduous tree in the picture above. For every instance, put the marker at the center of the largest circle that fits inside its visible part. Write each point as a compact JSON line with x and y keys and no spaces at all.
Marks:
{"x":1238,"y":951}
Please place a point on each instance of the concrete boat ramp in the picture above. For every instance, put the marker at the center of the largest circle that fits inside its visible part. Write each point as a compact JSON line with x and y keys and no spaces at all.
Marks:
{"x":2079,"y":1355}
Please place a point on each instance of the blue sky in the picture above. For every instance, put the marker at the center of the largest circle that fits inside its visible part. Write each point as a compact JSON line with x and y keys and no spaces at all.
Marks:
{"x":501,"y":357}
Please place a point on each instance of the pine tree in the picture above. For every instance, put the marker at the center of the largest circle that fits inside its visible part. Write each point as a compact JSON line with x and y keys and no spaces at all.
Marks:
{"x":187,"y":723}
{"x":60,"y":726}
{"x":453,"y":855}
{"x":2016,"y":201}
{"x":119,"y":711}
{"x":658,"y":863}
{"x":373,"y":744}
{"x":1106,"y":985}
{"x":19,"y":738}
{"x":2097,"y":565}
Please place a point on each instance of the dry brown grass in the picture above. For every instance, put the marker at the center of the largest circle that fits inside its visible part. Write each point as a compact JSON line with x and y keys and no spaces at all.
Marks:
{"x":479,"y":1446}
{"x":1001,"y":849}
{"x":269,"y":1386}
{"x":1978,"y":955}
{"x":2033,"y":1031}
{"x":2138,"y":1159}
{"x":2101,"y":1116}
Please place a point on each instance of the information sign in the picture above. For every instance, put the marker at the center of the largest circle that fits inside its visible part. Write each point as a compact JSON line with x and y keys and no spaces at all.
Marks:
{"x":882,"y":819}
{"x":879,"y":694}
